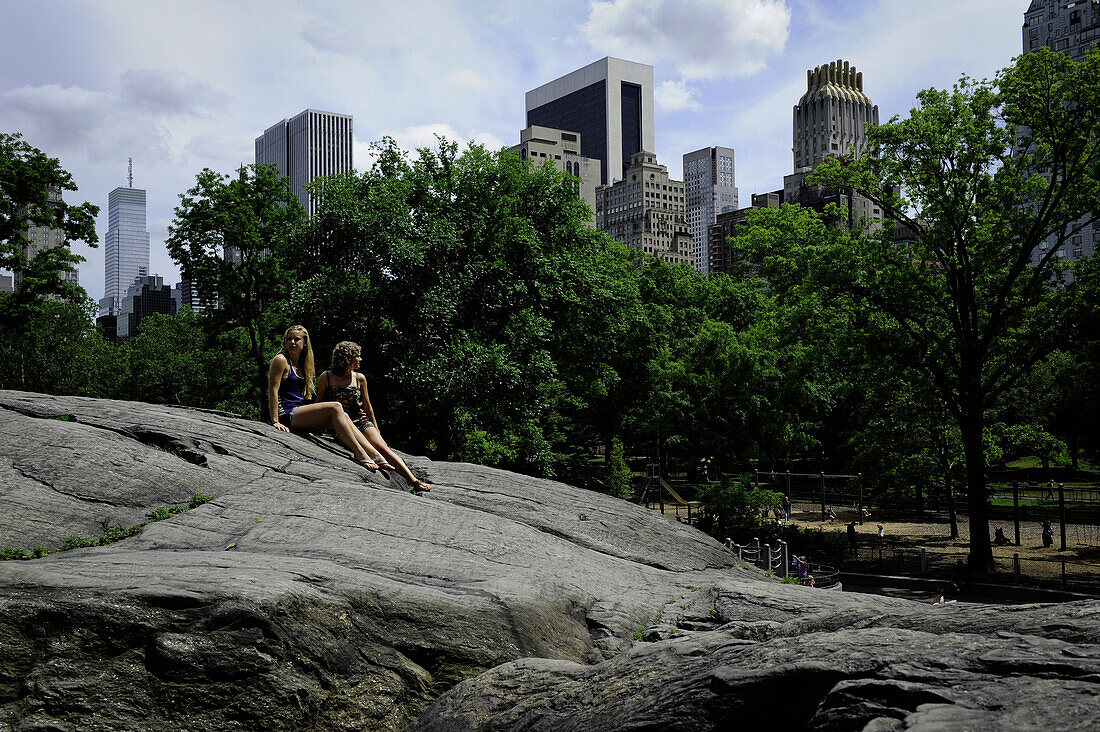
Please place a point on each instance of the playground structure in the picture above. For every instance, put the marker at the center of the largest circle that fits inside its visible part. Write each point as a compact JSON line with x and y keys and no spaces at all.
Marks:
{"x":654,"y":489}
{"x":1076,"y":511}
{"x":846,"y":490}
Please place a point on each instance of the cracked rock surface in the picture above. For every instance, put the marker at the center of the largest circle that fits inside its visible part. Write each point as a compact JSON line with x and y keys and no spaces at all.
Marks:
{"x":312,"y":594}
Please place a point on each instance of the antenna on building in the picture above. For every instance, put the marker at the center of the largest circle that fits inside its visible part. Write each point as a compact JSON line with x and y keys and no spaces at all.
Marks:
{"x":130,"y":172}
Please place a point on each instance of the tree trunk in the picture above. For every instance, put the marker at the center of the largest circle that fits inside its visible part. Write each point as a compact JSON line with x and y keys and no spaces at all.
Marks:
{"x":952,"y":518}
{"x":981,"y":552}
{"x":261,"y":373}
{"x":606,"y":437}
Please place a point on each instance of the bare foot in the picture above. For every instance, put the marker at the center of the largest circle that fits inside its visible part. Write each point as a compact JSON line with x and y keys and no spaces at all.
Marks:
{"x":367,"y":463}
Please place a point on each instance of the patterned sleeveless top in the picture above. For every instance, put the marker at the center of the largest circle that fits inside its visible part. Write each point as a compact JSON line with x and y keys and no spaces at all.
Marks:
{"x":351,"y":398}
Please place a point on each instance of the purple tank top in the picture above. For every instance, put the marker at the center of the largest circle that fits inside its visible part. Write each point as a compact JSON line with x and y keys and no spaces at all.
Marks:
{"x":291,"y":391}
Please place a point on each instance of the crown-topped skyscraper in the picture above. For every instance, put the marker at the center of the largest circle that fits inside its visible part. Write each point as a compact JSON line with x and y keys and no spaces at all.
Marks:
{"x":831,"y":117}
{"x":831,"y":121}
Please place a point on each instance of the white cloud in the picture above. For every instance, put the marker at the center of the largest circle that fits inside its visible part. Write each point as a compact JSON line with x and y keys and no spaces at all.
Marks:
{"x":704,"y":39}
{"x":169,"y":92}
{"x":217,"y":148}
{"x":418,"y":136}
{"x":467,"y":78}
{"x":95,"y":125}
{"x":329,"y":37}
{"x":675,"y":96}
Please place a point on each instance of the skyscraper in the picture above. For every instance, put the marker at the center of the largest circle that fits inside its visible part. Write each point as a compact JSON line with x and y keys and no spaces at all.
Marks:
{"x":830,"y":120}
{"x":645,"y":210}
{"x":1071,"y":28}
{"x":125,"y":247}
{"x":609,"y":103}
{"x":831,"y":117}
{"x":45,"y":237}
{"x":710,"y":190}
{"x":144,"y":297}
{"x":309,"y":145}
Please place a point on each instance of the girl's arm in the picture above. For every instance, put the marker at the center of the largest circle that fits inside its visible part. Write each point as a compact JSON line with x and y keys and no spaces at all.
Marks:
{"x":322,"y":387}
{"x":366,"y":401}
{"x":274,"y":377}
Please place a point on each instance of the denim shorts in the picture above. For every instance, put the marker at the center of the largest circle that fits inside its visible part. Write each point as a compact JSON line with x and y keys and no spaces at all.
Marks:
{"x":288,"y":415}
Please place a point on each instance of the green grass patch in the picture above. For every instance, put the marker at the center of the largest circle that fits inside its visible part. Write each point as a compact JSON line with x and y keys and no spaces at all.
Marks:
{"x":111,"y":535}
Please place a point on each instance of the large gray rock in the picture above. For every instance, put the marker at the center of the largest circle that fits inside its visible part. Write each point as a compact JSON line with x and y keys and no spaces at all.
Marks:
{"x":311,"y":594}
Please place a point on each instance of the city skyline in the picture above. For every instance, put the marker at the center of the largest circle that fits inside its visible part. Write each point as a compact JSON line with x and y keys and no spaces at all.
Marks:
{"x":178,"y":89}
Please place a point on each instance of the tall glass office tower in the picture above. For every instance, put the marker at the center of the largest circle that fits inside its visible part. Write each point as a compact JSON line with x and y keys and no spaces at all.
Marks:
{"x":309,"y":145}
{"x":609,"y":103}
{"x":125,"y":247}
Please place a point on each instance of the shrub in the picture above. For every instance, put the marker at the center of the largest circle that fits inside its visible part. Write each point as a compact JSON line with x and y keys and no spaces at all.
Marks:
{"x":111,"y":535}
{"x":200,"y":498}
{"x":620,"y":479}
{"x":734,"y":505}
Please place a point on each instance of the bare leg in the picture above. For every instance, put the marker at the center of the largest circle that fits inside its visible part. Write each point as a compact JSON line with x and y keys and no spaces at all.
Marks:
{"x":365,"y":443}
{"x":375,"y":439}
{"x":332,"y":415}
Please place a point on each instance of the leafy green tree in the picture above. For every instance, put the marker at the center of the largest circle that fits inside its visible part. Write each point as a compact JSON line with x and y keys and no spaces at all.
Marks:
{"x":229,"y":237}
{"x":735,"y":505}
{"x":57,"y":349}
{"x":174,"y":360}
{"x":27,"y":178}
{"x":1058,"y":395}
{"x":979,"y":177}
{"x":1023,"y":440}
{"x":483,"y":299}
{"x":30,"y":182}
{"x":620,"y":479}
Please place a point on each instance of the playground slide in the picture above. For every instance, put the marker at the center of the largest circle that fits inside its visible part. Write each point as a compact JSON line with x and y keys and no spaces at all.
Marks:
{"x":676,"y":496}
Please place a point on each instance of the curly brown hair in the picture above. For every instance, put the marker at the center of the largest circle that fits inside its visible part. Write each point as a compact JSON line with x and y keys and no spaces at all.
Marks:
{"x":342,"y":356}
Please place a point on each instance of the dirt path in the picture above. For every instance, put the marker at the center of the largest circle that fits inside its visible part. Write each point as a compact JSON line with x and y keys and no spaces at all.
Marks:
{"x":933,"y":533}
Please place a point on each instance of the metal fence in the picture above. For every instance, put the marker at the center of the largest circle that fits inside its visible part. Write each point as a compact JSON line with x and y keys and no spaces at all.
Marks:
{"x":951,"y":568}
{"x":779,"y":561}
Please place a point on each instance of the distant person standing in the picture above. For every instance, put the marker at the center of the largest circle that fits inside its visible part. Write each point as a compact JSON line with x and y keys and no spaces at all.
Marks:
{"x":787,"y":509}
{"x":853,"y":539}
{"x":881,"y":535}
{"x":1048,"y":534}
{"x":1050,"y":490}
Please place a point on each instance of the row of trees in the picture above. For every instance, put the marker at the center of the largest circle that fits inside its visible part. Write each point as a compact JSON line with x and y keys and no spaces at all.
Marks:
{"x":498,"y":327}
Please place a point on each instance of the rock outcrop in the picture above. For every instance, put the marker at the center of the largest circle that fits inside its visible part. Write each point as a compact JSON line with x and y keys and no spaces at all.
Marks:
{"x":312,"y":594}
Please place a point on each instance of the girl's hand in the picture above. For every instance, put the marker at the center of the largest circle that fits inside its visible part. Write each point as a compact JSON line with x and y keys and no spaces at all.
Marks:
{"x":281,"y":427}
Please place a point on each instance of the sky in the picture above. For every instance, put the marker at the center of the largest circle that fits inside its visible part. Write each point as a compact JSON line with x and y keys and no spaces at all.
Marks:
{"x":186,"y":85}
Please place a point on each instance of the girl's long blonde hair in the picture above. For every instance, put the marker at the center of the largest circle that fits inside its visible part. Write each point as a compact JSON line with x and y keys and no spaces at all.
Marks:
{"x":305,"y":359}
